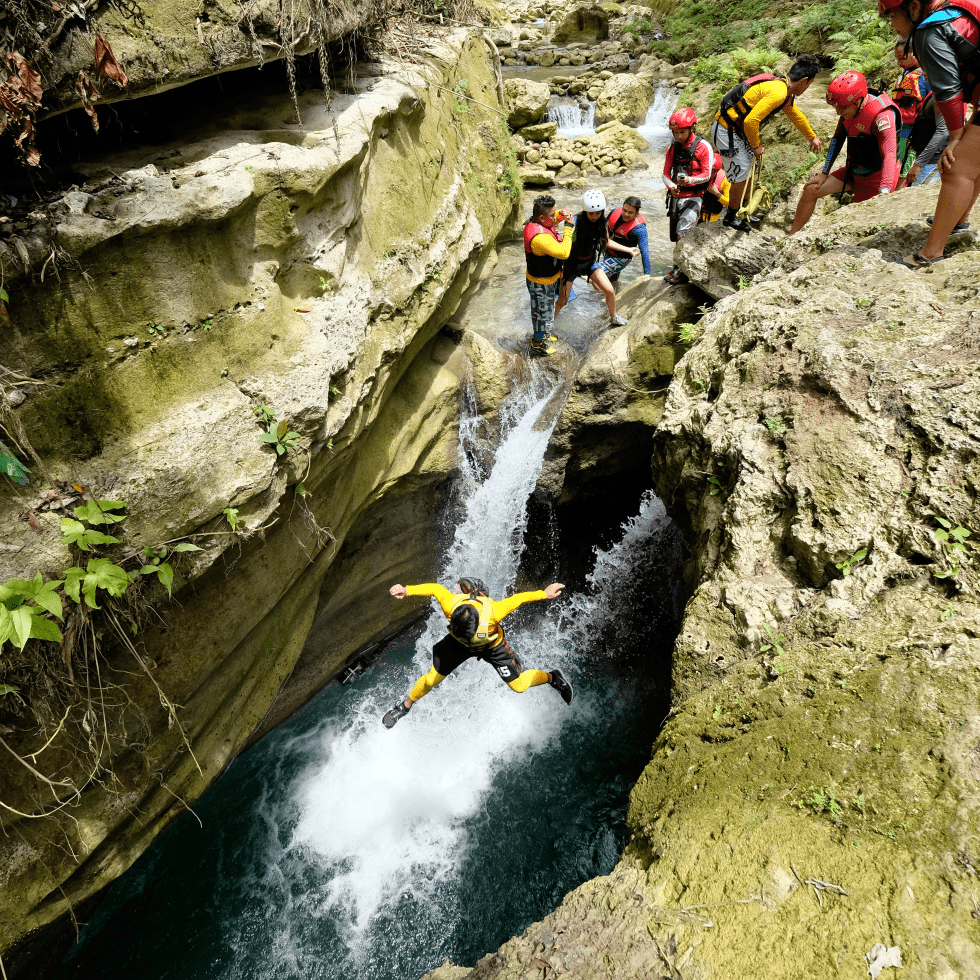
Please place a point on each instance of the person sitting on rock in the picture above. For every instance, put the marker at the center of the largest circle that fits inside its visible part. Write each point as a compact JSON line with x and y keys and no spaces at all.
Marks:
{"x":910,"y":94}
{"x":546,"y":246}
{"x":588,"y":240}
{"x":626,"y":234}
{"x":869,"y":122}
{"x":475,"y":631}
{"x":745,"y":109}
{"x":946,"y":42}
{"x":688,"y":168}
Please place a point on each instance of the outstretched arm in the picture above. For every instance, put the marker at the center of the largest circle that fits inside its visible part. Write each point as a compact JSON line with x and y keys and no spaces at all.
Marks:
{"x":554,"y":590}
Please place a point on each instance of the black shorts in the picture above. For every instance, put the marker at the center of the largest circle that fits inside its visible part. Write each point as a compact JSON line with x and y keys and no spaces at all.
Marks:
{"x":449,"y":653}
{"x":574,"y":268}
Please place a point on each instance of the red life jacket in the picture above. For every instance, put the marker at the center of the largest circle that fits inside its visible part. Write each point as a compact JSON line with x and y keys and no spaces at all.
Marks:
{"x":618,"y":232}
{"x":540,"y":266}
{"x":681,"y":158}
{"x":862,"y":143}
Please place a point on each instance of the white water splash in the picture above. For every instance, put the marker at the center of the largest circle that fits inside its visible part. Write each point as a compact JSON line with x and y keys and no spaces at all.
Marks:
{"x":654,"y":128}
{"x":382,"y":813}
{"x":572,"y":119}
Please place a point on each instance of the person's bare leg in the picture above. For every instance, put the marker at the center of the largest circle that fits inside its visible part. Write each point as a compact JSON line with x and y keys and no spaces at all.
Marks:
{"x":957,"y":194}
{"x":561,"y":300}
{"x":600,"y":282}
{"x":812,"y":192}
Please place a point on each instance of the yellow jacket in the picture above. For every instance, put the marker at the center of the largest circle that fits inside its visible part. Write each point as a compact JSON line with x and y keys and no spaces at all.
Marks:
{"x":546,"y":245}
{"x":501,"y":608}
{"x":764,"y":99}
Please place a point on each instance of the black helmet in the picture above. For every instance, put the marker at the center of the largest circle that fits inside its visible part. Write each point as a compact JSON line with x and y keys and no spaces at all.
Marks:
{"x":471,"y":585}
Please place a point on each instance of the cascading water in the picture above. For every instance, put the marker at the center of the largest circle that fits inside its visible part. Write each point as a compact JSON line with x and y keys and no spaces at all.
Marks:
{"x":654,"y":128}
{"x":338,"y":849}
{"x":573,"y":119}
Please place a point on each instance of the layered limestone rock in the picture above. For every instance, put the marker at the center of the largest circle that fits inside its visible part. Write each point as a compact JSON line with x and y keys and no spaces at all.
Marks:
{"x":815,"y":789}
{"x":612,"y":149}
{"x":526,"y":101}
{"x":624,"y":98}
{"x":307,"y":270}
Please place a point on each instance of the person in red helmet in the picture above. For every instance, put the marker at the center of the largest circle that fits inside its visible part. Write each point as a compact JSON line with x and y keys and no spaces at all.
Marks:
{"x":869,"y":121}
{"x":688,"y":168}
{"x":946,"y":42}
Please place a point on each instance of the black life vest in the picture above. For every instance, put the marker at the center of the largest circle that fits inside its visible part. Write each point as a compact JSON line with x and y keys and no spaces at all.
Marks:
{"x":734,"y":108}
{"x":619,"y":231}
{"x":683,"y":157}
{"x":540,"y":266}
{"x":862,"y":147}
{"x":590,"y":236}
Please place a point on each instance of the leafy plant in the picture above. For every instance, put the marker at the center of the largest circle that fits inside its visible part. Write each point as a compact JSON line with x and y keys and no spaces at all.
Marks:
{"x":12,"y":467}
{"x":688,"y":333}
{"x":326,"y":285}
{"x":775,"y":425}
{"x":231,"y":515}
{"x":775,"y":642}
{"x":264,"y":413}
{"x":281,"y":437}
{"x":156,"y":328}
{"x":100,"y":573}
{"x":23,"y":604}
{"x":952,"y":541}
{"x":74,"y":532}
{"x":821,"y":800}
{"x":156,"y":565}
{"x":100,"y":511}
{"x":716,"y":486}
{"x":947,"y":613}
{"x":847,"y":564}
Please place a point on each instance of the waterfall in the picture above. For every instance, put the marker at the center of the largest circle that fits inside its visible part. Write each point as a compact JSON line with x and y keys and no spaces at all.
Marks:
{"x":336,"y":848}
{"x":654,"y":128}
{"x":572,"y":119}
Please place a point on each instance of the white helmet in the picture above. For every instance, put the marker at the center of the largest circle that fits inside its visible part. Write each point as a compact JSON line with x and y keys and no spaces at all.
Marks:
{"x":594,"y":201}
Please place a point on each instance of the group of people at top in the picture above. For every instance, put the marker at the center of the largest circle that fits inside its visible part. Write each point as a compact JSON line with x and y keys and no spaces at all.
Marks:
{"x":911,"y":136}
{"x":560,"y":247}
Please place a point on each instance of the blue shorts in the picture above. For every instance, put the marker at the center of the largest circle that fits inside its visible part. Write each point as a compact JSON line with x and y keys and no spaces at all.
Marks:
{"x":612,"y":266}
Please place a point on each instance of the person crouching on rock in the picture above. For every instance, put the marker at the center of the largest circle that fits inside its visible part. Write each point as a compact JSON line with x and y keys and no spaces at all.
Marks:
{"x":547,"y":244}
{"x":626,"y":235}
{"x":475,"y":631}
{"x":744,"y":110}
{"x":869,"y":121}
{"x":688,"y":169}
{"x":588,"y":240}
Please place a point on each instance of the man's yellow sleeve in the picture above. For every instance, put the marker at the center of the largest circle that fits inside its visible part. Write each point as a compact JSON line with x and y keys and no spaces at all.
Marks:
{"x":800,"y":121}
{"x":439,"y":592}
{"x":546,"y":245}
{"x":769,"y":96}
{"x":506,"y":606}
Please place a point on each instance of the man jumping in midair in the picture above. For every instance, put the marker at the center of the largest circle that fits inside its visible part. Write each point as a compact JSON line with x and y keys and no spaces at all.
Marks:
{"x":475,"y":631}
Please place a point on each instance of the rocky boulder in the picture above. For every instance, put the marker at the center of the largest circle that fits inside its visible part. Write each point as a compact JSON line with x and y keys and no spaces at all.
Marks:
{"x":583,"y":21}
{"x":624,"y":98}
{"x":526,"y":101}
{"x":721,"y":260}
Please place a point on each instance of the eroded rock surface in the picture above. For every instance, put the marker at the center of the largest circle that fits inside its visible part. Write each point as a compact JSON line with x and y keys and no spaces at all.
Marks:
{"x":807,"y":801}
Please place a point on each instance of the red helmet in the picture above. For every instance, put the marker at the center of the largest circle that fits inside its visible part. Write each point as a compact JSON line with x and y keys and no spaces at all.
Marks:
{"x":847,"y":89}
{"x":683,"y":118}
{"x":885,"y":5}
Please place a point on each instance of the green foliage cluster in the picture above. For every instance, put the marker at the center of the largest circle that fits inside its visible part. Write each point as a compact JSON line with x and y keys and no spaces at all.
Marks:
{"x":859,"y":38}
{"x":726,"y":69}
{"x":26,"y":605}
{"x":780,"y":176}
{"x":509,"y":182}
{"x":847,"y":564}
{"x":952,"y":541}
{"x":706,"y":27}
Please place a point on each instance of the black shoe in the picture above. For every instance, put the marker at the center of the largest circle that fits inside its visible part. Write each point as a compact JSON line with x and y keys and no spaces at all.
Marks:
{"x":391,"y":717}
{"x":562,"y":686}
{"x":734,"y":221}
{"x":959,"y":226}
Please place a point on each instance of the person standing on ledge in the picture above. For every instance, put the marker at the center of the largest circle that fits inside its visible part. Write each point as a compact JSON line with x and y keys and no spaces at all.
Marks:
{"x":744,"y":111}
{"x":475,"y":631}
{"x":546,"y":246}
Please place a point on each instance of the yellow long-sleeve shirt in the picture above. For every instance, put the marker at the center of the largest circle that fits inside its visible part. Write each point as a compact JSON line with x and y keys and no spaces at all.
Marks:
{"x":501,"y":608}
{"x":764,"y":99}
{"x":546,"y":245}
